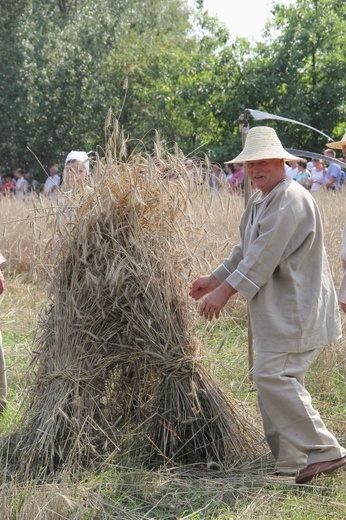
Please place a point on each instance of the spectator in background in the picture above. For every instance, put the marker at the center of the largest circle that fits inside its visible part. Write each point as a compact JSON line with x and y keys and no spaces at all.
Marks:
{"x":228,"y":171}
{"x":191,"y":171}
{"x":317,"y":175}
{"x":22,"y":185}
{"x":34,"y":185}
{"x":217,"y":177}
{"x":52,"y":183}
{"x":292,"y":170}
{"x":76,"y":171}
{"x":74,"y":185}
{"x":303,"y":175}
{"x":3,"y":382}
{"x":236,"y":182}
{"x":309,"y":165}
{"x":333,"y":172}
{"x":8,"y":185}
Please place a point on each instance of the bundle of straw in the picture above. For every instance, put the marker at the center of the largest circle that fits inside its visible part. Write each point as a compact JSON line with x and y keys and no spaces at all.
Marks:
{"x":115,"y":351}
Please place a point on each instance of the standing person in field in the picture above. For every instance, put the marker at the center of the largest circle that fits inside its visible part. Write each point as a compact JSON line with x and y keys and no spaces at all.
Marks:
{"x":22,"y":186}
{"x":236,"y":182}
{"x":8,"y":185}
{"x":74,"y":185}
{"x":52,"y":183}
{"x":333,"y":172}
{"x":281,"y":268}
{"x":3,"y":383}
{"x":76,"y":172}
{"x":342,"y":290}
{"x":317,"y":175}
{"x":292,"y":170}
{"x":303,"y":175}
{"x":217,"y":177}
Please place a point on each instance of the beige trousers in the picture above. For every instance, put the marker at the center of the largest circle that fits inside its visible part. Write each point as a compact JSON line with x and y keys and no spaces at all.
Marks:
{"x":3,"y":383}
{"x":294,"y":430}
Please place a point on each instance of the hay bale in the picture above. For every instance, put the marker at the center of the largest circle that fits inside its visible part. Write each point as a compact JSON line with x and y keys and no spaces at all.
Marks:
{"x":115,"y":354}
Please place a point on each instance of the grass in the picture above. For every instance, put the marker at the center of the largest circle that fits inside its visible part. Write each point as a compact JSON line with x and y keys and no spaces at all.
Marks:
{"x":121,"y":488}
{"x":125,"y":490}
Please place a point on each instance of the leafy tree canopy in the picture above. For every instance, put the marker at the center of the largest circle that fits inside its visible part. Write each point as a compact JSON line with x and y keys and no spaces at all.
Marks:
{"x":162,"y":66}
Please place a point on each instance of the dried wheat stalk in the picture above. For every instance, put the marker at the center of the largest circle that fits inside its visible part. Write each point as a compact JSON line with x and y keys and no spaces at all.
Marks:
{"x":115,"y":352}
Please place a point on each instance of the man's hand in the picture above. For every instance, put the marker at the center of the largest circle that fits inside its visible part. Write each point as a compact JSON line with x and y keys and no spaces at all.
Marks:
{"x":216,"y":300}
{"x":202,"y":286}
{"x":2,"y":283}
{"x":343,"y":307}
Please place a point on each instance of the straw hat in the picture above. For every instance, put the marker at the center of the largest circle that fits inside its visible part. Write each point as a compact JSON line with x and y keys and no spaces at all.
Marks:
{"x":263,"y":143}
{"x":338,"y":145}
{"x":78,"y":156}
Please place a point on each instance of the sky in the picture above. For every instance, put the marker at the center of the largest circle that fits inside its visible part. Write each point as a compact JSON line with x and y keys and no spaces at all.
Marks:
{"x":245,"y":18}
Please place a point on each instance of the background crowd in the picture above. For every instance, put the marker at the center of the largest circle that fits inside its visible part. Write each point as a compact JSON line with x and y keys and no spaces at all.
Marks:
{"x":20,"y":184}
{"x":314,"y":175}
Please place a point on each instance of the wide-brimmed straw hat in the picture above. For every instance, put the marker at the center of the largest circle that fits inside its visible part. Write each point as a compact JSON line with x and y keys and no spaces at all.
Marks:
{"x":261,"y":143}
{"x":337,"y":145}
{"x":78,"y":156}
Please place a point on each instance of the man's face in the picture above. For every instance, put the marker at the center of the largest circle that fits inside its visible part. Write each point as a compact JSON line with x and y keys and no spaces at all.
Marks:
{"x":329,"y":154}
{"x":266,"y":174}
{"x":317,"y":164}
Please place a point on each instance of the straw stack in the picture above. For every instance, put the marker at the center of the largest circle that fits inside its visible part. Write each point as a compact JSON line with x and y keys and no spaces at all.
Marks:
{"x":115,"y":354}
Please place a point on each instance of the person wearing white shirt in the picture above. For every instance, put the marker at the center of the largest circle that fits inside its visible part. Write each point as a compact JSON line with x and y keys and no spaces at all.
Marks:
{"x":318,"y":172}
{"x":22,"y":185}
{"x":52,"y":183}
{"x":292,"y":171}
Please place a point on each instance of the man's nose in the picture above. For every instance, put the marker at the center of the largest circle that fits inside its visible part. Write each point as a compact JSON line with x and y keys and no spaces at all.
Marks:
{"x":256,"y":168}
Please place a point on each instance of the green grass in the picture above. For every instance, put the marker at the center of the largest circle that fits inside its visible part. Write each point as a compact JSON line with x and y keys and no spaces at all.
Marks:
{"x":123,"y":489}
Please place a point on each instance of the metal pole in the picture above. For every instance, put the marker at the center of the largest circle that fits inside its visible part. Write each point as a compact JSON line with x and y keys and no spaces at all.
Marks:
{"x":244,"y":127}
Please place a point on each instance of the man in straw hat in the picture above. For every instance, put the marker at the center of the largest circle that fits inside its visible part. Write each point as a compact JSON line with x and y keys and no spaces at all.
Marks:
{"x":281,"y":268}
{"x":339,"y":145}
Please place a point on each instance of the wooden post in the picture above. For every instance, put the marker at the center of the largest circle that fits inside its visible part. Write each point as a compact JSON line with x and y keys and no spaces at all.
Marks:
{"x":244,"y":129}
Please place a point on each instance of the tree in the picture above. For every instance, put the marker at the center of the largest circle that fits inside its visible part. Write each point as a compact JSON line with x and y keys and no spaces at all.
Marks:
{"x":300,"y":72}
{"x":13,"y":86}
{"x":65,"y":64}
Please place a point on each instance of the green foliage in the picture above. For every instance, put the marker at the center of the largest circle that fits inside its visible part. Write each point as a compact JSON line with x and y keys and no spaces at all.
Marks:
{"x":164,"y":67}
{"x":301,"y":71}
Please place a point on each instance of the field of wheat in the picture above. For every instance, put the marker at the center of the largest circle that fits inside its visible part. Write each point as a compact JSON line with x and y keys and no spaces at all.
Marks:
{"x":66,"y":298}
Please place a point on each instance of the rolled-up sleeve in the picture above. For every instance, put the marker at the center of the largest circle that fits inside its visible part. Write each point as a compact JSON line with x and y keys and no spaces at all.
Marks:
{"x":223,"y":271}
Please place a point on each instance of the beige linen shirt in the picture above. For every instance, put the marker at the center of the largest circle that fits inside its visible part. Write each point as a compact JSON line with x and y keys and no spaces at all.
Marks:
{"x":342,"y":290}
{"x":281,"y":268}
